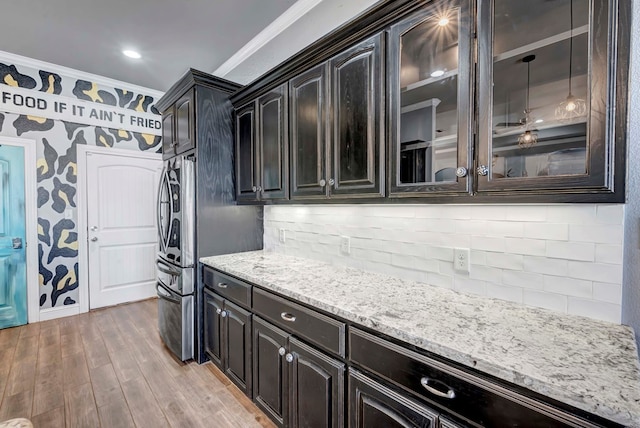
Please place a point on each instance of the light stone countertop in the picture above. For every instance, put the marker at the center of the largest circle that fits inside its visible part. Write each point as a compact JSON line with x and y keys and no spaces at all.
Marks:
{"x":589,"y":364}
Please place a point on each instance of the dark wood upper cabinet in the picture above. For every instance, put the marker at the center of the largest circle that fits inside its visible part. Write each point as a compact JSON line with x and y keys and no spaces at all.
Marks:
{"x":430,"y":84}
{"x":168,"y":143}
{"x":357,"y":158}
{"x":309,"y":148}
{"x":273,"y":143}
{"x":246,"y":150}
{"x":552,"y":97}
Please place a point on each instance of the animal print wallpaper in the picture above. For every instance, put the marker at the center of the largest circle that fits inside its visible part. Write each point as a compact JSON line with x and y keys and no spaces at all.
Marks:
{"x":56,"y":142}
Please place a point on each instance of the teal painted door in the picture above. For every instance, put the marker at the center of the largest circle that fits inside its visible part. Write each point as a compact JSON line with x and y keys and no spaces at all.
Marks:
{"x":13,"y":278}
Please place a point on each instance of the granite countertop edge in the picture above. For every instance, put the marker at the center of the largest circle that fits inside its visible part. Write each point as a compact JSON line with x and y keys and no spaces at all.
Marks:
{"x":616,"y":413}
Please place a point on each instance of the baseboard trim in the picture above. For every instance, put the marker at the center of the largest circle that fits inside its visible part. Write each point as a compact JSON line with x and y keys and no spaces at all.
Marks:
{"x":61,"y":312}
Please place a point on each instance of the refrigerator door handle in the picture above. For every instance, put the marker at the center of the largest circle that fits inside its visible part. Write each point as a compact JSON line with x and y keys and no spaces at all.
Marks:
{"x":163,"y":180}
{"x":165,"y":268}
{"x":165,"y":294}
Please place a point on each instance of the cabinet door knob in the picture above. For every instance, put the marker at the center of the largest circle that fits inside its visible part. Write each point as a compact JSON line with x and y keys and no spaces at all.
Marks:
{"x":450,"y":394}
{"x":483,"y":170}
{"x":289,"y":358}
{"x":254,"y":189}
{"x":323,"y":182}
{"x":282,"y":351}
{"x":224,"y":314}
{"x":332,"y":182}
{"x":461,"y":172}
{"x":259,"y":189}
{"x":286,"y":316}
{"x":218,"y":311}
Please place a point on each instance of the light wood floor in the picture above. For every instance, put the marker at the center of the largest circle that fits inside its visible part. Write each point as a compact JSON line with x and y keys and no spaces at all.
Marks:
{"x":109,"y":368}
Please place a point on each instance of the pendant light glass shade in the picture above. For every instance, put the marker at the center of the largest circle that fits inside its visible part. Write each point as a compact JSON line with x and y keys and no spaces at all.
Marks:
{"x":571,"y":108}
{"x":529,"y":137}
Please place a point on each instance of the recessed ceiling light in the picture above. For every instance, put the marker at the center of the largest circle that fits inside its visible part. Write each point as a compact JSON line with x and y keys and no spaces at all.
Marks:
{"x":443,"y":21}
{"x":437,"y":73}
{"x":539,"y":121}
{"x":131,"y":54}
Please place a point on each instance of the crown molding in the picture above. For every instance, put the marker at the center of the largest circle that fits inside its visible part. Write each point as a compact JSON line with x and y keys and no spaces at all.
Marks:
{"x":11,"y":58}
{"x":291,"y":15}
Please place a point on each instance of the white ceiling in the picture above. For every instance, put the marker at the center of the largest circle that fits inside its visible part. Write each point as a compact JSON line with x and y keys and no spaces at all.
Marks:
{"x":172,"y":36}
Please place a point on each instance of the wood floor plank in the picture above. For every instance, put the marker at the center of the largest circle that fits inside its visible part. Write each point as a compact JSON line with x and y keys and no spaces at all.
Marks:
{"x":52,"y":419}
{"x":17,"y":406}
{"x":106,"y":387}
{"x":142,"y":404}
{"x":21,"y":377}
{"x":116,"y":414}
{"x":96,"y":353}
{"x":70,"y":343}
{"x":75,"y":370}
{"x":26,"y":348}
{"x":49,"y":390}
{"x":80,"y":407}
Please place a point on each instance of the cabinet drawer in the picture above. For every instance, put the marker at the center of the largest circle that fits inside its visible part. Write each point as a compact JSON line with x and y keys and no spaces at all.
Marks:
{"x":468,"y":396}
{"x":312,"y":326}
{"x":233,"y":289}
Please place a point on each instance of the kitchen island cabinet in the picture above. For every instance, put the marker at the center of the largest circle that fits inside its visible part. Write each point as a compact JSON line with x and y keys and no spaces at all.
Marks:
{"x":566,"y":370}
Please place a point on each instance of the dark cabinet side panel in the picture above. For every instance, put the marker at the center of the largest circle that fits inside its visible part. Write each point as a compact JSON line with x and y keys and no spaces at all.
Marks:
{"x":316,"y":388}
{"x":213,"y":328}
{"x":238,"y":346}
{"x":372,"y":405}
{"x":356,"y":79}
{"x":270,"y":377}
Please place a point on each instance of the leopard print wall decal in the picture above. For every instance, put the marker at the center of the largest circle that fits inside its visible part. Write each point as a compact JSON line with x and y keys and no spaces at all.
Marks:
{"x":57,"y":142}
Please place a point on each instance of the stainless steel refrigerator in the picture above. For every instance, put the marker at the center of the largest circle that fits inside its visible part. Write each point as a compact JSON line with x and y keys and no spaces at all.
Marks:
{"x":197,"y":211}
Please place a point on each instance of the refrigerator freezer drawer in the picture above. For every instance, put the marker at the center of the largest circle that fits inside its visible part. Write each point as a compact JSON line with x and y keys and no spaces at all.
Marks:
{"x":175,"y":322}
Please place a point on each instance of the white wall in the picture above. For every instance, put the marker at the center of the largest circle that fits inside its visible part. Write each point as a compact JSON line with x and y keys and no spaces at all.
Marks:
{"x":567,"y":258}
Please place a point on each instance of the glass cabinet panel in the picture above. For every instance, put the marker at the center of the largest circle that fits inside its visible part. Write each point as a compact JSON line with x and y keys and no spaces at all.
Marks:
{"x":540,"y":90}
{"x":430,"y":99}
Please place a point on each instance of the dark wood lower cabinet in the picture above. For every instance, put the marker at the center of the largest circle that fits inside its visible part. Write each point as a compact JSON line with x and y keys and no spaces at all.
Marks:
{"x":227,"y":339}
{"x":316,"y":387}
{"x":269,"y":368}
{"x":372,"y":405}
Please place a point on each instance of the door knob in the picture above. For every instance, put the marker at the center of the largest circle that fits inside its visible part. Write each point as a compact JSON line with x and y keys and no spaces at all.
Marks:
{"x":94,"y":228}
{"x":94,"y":239}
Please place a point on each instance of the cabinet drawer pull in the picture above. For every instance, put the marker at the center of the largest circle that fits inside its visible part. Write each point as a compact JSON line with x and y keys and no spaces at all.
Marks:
{"x":425,"y":382}
{"x":287,"y":317}
{"x":222,"y":285}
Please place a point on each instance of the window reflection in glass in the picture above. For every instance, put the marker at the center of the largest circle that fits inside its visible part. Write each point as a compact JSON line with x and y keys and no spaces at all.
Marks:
{"x":540,"y":88}
{"x":429,"y":99}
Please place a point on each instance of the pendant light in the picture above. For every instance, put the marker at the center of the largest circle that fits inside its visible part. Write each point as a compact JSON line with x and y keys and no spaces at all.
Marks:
{"x":529,"y":137}
{"x":571,"y":108}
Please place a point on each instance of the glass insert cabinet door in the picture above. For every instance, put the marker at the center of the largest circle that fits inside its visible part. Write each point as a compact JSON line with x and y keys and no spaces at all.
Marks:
{"x":430,"y":71}
{"x":543,"y":95}
{"x":13,"y":280}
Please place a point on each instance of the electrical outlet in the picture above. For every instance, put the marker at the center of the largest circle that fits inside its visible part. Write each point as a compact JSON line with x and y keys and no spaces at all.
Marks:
{"x":345,"y":245}
{"x":282,"y":237}
{"x":461,"y":259}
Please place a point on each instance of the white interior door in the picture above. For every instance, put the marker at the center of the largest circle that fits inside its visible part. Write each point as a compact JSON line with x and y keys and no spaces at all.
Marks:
{"x":121,"y":223}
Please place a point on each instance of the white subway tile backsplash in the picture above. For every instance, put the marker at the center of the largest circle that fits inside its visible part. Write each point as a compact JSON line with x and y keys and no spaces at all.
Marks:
{"x":611,"y":254}
{"x":596,"y":272}
{"x":485,"y":273}
{"x":487,"y":243}
{"x":584,"y":251}
{"x":527,"y":213}
{"x":551,"y":231}
{"x":523,"y":279}
{"x":530,"y":247}
{"x":513,"y":294}
{"x":538,"y":255}
{"x":601,"y":234}
{"x":594,"y":309}
{"x":606,"y":292}
{"x":506,"y":261}
{"x":539,"y":299}
{"x":467,"y":285}
{"x":547,"y":266}
{"x":568,"y":286}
